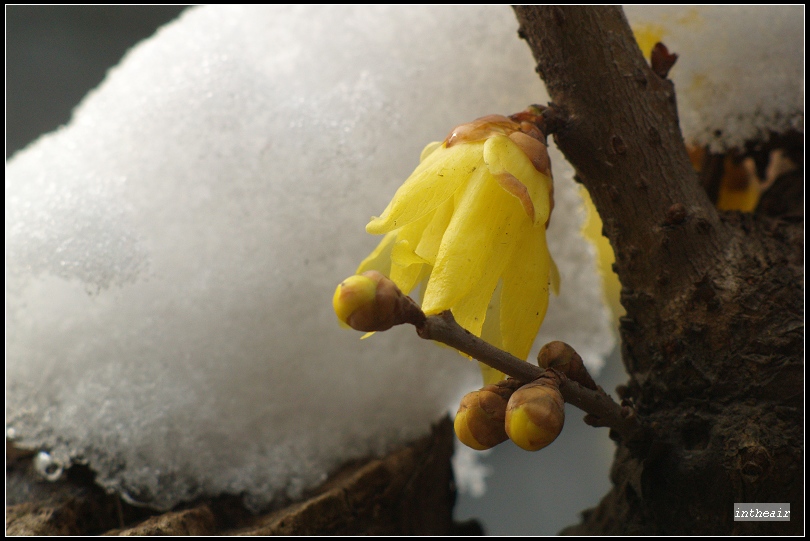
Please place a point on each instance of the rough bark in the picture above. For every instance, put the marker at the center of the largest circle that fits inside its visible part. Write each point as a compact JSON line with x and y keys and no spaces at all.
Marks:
{"x":713,"y":337}
{"x":408,"y":492}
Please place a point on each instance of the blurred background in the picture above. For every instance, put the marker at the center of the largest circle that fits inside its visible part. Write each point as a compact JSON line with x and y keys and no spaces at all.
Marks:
{"x":56,"y":54}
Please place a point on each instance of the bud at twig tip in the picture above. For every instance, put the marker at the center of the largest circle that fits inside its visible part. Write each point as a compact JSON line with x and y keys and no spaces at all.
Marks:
{"x":371,"y":302}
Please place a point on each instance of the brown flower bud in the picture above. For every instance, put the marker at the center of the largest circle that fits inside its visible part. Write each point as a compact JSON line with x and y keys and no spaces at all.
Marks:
{"x":479,"y":423}
{"x":563,"y":358}
{"x":535,"y":414}
{"x":372,"y":302}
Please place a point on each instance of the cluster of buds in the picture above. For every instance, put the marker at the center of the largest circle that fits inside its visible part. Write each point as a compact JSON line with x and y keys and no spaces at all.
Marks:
{"x":531,"y":415}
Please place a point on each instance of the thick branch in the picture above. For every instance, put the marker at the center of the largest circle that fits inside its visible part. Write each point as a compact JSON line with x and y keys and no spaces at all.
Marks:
{"x":617,"y":124}
{"x":712,"y":340}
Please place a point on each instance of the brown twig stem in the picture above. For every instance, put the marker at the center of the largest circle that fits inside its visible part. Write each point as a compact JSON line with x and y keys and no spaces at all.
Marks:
{"x":602,"y":410}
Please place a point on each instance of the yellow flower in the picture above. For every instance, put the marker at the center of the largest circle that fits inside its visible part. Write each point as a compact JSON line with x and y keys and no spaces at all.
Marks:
{"x":469,"y":224}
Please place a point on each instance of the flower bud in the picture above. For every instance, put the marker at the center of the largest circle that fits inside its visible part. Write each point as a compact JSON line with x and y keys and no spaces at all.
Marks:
{"x":535,"y":415}
{"x":479,"y":423}
{"x":352,"y":293}
{"x":563,"y":358}
{"x":368,"y":302}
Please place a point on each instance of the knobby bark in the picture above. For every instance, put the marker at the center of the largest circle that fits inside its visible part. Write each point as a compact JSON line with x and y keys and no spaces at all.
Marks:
{"x":408,"y":492}
{"x":713,"y":336}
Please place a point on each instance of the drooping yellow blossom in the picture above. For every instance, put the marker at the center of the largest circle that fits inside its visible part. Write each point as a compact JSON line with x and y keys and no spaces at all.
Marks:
{"x":469,"y":224}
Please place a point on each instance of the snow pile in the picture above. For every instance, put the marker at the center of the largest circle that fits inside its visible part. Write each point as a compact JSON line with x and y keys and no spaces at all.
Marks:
{"x":172,"y":253}
{"x":740,"y":71}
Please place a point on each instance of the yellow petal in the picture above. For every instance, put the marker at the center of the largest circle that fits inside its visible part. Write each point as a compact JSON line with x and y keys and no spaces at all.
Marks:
{"x":491,"y":332}
{"x":592,"y":230}
{"x":428,"y":150}
{"x":380,"y":258}
{"x":408,"y":237}
{"x":534,"y":149}
{"x":478,"y":314}
{"x":490,"y":375}
{"x":478,"y":240}
{"x":524,"y":296}
{"x":431,"y":239}
{"x":404,"y":255}
{"x":744,"y":201}
{"x":406,"y":265}
{"x":470,"y":311}
{"x":433,"y":182}
{"x":554,"y":278}
{"x":739,"y":187}
{"x":647,"y":35}
{"x":517,"y":175}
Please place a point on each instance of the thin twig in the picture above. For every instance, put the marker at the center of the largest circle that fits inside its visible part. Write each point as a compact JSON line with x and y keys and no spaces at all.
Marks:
{"x":443,"y":328}
{"x":602,"y":410}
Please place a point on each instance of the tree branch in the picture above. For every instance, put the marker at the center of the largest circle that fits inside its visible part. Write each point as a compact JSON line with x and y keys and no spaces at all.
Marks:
{"x":713,"y":337}
{"x":617,"y":124}
{"x":601,"y":409}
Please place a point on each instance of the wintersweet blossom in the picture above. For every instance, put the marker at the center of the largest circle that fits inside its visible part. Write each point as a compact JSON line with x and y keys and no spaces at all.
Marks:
{"x":469,"y":225}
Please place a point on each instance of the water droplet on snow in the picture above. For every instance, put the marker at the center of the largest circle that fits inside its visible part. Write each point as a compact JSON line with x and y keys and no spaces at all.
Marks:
{"x":47,"y":467}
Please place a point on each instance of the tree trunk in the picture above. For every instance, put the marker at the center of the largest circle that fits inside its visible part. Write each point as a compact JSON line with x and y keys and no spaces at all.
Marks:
{"x":713,"y":337}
